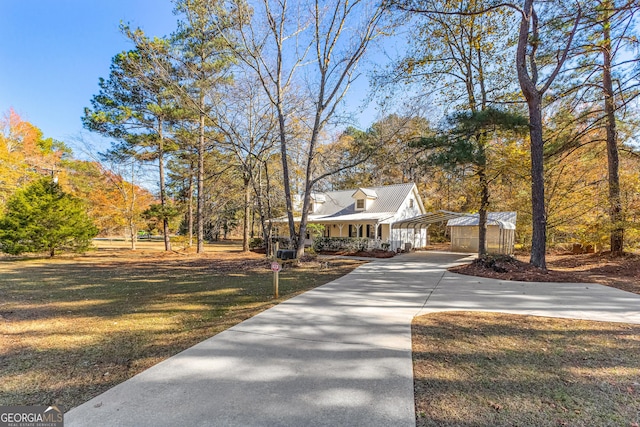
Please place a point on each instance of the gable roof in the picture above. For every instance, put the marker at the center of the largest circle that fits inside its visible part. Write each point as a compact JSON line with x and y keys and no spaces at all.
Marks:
{"x":368,"y":192}
{"x":340,"y":205}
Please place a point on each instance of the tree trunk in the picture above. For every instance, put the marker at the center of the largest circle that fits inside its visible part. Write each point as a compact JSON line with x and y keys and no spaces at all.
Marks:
{"x":615,"y":203}
{"x":539,"y":216}
{"x":482,"y":213}
{"x":247,"y":213}
{"x":190,"y":208}
{"x":163,"y":191}
{"x":200,"y":180}
{"x":534,"y":103}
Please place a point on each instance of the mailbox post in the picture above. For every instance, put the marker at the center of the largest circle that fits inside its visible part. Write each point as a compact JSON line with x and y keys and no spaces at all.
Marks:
{"x":281,"y":256}
{"x":275,"y":267}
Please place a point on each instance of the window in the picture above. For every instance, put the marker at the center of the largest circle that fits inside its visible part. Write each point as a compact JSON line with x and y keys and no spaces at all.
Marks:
{"x":370,"y":231}
{"x":360,"y":204}
{"x":411,"y":203}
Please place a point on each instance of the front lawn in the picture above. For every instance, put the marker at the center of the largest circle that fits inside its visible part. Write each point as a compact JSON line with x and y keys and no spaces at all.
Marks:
{"x":493,"y":370}
{"x":70,"y":328}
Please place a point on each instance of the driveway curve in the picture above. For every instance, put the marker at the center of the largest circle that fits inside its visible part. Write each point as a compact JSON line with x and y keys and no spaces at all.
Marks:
{"x":337,"y":355}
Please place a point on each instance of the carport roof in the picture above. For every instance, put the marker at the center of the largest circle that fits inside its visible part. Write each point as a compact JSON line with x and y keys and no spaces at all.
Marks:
{"x":440,"y":216}
{"x":426,"y":219}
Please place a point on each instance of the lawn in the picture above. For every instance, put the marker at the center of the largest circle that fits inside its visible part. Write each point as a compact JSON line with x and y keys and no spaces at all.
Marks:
{"x":489,"y":369}
{"x":72,"y":327}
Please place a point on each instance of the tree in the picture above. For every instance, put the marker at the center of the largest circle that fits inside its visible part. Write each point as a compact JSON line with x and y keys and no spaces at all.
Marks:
{"x":43,"y":218}
{"x":25,"y":154}
{"x":326,"y":39}
{"x":604,"y":79}
{"x":247,"y":122}
{"x":529,"y":59}
{"x":467,"y":142}
{"x":203,"y":59}
{"x":545,"y":37}
{"x":134,"y":107}
{"x":465,"y":53}
{"x":458,"y":56}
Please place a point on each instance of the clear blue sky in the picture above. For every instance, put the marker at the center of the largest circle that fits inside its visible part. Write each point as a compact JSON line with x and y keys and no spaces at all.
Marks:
{"x":53,"y":52}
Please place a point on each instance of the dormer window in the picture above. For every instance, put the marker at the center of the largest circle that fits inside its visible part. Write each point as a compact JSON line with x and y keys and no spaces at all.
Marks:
{"x":411,"y":203}
{"x":316,"y":202}
{"x":364,"y":197}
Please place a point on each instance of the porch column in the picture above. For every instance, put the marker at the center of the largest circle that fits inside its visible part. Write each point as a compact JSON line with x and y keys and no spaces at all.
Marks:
{"x":340,"y":228}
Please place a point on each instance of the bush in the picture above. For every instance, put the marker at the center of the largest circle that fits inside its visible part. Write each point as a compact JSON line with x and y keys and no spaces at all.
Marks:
{"x":334,"y":244}
{"x":256,"y":243}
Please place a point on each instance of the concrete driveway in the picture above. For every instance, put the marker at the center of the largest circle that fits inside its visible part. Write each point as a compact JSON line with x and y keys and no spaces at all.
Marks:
{"x":339,"y":355}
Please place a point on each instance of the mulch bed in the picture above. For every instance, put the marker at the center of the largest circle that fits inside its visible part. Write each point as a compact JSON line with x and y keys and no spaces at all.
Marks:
{"x":621,"y":272}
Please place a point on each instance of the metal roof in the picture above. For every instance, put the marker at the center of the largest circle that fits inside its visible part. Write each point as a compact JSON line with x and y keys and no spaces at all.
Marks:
{"x":339,"y":203}
{"x":505,"y":220}
{"x":426,"y":219}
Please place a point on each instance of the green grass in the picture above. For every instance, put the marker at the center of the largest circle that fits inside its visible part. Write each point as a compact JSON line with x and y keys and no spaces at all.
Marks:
{"x":489,"y":369}
{"x":71,"y":328}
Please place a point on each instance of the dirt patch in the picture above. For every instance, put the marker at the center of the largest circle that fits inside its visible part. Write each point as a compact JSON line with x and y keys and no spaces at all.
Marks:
{"x":619,"y":272}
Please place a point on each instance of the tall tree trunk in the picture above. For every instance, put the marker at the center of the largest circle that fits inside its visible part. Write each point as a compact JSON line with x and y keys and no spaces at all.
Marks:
{"x":264,"y":206}
{"x":615,"y":202}
{"x":539,"y":215}
{"x":132,"y":226}
{"x":247,"y":213}
{"x":484,"y":206}
{"x":200,"y":179}
{"x":190,"y":207}
{"x":163,"y":191}
{"x":285,"y":175}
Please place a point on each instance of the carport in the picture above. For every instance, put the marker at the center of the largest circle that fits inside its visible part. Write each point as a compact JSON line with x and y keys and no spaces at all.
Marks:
{"x":422,"y":222}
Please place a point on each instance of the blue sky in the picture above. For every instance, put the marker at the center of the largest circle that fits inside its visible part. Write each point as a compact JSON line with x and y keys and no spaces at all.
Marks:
{"x":54,"y":51}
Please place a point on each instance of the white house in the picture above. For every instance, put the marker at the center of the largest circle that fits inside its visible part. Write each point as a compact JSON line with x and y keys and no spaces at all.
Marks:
{"x":369,"y":213}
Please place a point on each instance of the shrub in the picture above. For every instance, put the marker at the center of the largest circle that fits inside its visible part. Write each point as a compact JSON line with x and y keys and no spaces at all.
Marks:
{"x":256,"y":243}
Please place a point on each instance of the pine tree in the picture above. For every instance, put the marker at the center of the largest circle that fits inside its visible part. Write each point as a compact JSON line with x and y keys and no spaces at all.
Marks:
{"x":43,"y":218}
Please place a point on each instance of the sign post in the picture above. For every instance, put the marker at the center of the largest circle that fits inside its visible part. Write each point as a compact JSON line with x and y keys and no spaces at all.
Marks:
{"x":275,"y":267}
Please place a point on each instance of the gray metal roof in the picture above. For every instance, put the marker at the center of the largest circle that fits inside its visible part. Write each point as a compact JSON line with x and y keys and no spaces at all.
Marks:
{"x":505,"y":219}
{"x":339,"y":203}
{"x":426,"y":219}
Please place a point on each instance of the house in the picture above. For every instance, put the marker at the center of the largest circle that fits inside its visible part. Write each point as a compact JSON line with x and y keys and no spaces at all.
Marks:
{"x":369,"y":213}
{"x":501,"y":228}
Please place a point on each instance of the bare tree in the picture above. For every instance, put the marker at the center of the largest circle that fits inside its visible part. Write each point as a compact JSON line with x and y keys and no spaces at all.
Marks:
{"x":248,"y":122}
{"x":313,"y":44}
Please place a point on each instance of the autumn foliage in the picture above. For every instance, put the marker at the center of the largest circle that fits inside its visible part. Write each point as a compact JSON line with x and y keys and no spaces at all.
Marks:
{"x":113,"y":204}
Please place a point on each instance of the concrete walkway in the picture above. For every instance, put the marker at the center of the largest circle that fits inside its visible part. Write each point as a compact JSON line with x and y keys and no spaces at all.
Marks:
{"x":339,"y":355}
